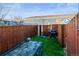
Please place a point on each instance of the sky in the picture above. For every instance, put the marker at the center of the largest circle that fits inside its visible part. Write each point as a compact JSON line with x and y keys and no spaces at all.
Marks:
{"x":25,"y":10}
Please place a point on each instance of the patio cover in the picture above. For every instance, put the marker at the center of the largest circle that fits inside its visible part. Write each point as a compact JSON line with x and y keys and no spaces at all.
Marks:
{"x":49,"y":19}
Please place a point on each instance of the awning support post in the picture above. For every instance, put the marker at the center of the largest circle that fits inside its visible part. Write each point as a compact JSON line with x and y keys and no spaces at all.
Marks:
{"x":41,"y":30}
{"x":50,"y":27}
{"x":38,"y":30}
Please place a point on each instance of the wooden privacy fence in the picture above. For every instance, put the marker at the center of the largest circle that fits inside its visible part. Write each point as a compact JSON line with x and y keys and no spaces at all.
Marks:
{"x":60,"y":34}
{"x":71,"y":36}
{"x":68,"y":35}
{"x":12,"y":35}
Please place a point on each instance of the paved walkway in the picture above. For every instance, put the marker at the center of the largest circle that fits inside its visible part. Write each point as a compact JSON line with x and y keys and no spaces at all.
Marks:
{"x":30,"y":48}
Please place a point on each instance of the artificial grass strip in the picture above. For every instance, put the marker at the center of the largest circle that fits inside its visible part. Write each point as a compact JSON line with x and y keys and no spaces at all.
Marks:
{"x":50,"y":46}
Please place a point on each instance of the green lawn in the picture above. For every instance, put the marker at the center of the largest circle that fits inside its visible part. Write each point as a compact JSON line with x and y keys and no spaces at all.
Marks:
{"x":50,"y":46}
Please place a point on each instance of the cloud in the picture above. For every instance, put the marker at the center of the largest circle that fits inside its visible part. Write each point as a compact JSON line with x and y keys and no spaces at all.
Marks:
{"x":27,"y":10}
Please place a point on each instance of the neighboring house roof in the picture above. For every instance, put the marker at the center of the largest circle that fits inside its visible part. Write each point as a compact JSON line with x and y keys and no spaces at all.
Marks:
{"x":7,"y":23}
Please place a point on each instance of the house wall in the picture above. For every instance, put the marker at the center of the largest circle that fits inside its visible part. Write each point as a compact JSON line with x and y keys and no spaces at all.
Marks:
{"x":46,"y":28}
{"x":10,"y":36}
{"x":55,"y":27}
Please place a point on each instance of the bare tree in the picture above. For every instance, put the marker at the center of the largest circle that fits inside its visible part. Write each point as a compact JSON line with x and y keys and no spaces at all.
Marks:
{"x":3,"y":11}
{"x":18,"y":19}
